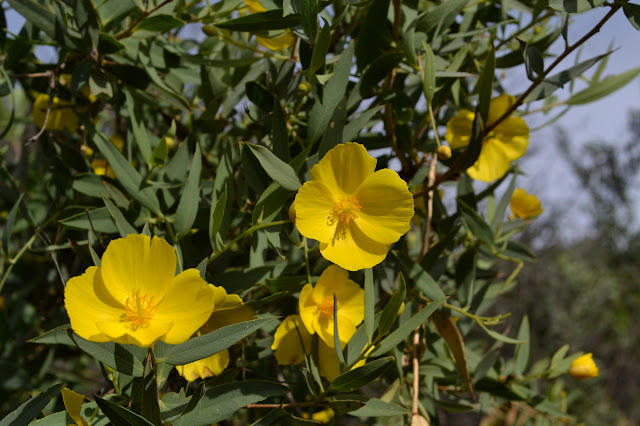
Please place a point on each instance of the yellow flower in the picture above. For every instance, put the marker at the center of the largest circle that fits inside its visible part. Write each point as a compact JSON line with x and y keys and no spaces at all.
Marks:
{"x":354,"y":211}
{"x":523,"y":205}
{"x":62,"y":114}
{"x":583,"y":367}
{"x":506,"y":143}
{"x":73,"y":404}
{"x":316,"y":305}
{"x":279,"y":42}
{"x":323,"y":416}
{"x":287,"y":345}
{"x":135,"y":296}
{"x":229,"y":309}
{"x":100,"y":165}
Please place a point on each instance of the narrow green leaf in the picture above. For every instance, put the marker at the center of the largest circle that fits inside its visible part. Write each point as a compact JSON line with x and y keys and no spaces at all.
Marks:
{"x":262,"y":21}
{"x":279,"y":133}
{"x":333,"y":135}
{"x":533,"y":61}
{"x":377,"y":408}
{"x":419,"y":276}
{"x":277,"y":169}
{"x":119,"y":415}
{"x":390,"y":311}
{"x":377,"y":70}
{"x":484,"y":87}
{"x":369,"y":303}
{"x":159,"y":154}
{"x":212,"y":343}
{"x":443,"y":15}
{"x":361,"y":376}
{"x":429,"y":67}
{"x":159,"y":23}
{"x":501,"y":337}
{"x":319,"y":50}
{"x":501,"y":209}
{"x":220,"y":402}
{"x":575,"y":6}
{"x":259,"y":95}
{"x":474,"y":223}
{"x":124,"y":227}
{"x":216,"y":216}
{"x":344,"y":406}
{"x":29,"y":410}
{"x":55,"y":337}
{"x":353,"y":127}
{"x":309,"y":15}
{"x":190,"y":199}
{"x":604,"y":87}
{"x":8,"y":227}
{"x":516,"y":250}
{"x":405,"y":329}
{"x":558,"y":356}
{"x":122,"y":358}
{"x":336,"y":335}
{"x":39,"y":15}
{"x":521,"y":356}
{"x":632,"y":12}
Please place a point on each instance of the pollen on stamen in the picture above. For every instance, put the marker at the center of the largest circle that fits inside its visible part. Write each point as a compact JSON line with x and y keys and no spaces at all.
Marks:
{"x":139,"y":310}
{"x":326,"y":307}
{"x":346,"y":209}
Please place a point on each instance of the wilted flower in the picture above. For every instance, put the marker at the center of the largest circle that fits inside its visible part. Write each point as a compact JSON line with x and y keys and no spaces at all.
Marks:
{"x":73,"y":404}
{"x":316,"y":305}
{"x":62,"y":114}
{"x":229,"y":309}
{"x":507,"y":142}
{"x":134,"y":297}
{"x":354,"y":211}
{"x":523,"y":205}
{"x":583,"y":367}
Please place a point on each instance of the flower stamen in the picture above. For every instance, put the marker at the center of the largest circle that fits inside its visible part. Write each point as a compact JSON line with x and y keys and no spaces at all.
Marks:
{"x":139,"y":310}
{"x":326,"y":307}
{"x":345,"y":209}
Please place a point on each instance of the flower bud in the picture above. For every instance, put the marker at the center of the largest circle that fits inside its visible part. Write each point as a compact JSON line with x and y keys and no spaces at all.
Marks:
{"x":210,"y":30}
{"x":304,"y":88}
{"x":292,"y":212}
{"x":583,"y":367}
{"x":444,"y":152}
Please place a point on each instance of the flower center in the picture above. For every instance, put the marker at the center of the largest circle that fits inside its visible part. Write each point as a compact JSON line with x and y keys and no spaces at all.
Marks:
{"x":326,"y":307}
{"x":139,"y":310}
{"x":345,"y":209}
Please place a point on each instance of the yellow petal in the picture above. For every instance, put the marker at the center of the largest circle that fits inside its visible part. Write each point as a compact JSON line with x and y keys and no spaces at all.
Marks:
{"x":344,"y":168}
{"x":279,"y":43}
{"x":511,"y":128}
{"x":523,"y":205}
{"x":229,"y":310}
{"x":492,"y":163}
{"x":314,"y":203}
{"x":73,"y":404}
{"x":136,"y":264}
{"x":187,"y":304}
{"x":308,"y":307}
{"x":144,"y":337}
{"x":583,"y":367}
{"x":323,"y":416}
{"x":207,"y":367}
{"x":255,"y":6}
{"x":85,"y":308}
{"x":499,"y":106}
{"x":329,"y":365}
{"x":353,"y":250}
{"x":386,"y":207}
{"x":459,"y":129}
{"x":61,"y":113}
{"x":291,"y":341}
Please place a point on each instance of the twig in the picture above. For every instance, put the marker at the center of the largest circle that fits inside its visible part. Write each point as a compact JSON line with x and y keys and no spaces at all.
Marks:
{"x":427,"y":226}
{"x":416,"y":372}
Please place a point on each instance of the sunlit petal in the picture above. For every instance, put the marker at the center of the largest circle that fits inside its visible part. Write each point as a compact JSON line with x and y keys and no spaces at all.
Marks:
{"x":353,"y":250}
{"x":291,"y":341}
{"x":459,"y":129}
{"x":344,"y":168}
{"x":314,"y":203}
{"x":207,"y":367}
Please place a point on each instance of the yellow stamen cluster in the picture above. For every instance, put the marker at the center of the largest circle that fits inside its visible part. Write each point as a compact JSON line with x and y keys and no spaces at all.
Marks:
{"x":326,"y":307}
{"x":138,"y":311}
{"x":345,"y":209}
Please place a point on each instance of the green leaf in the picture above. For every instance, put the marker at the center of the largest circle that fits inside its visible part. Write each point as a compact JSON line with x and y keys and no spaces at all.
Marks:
{"x":140,"y":132}
{"x":98,"y":220}
{"x":279,"y":133}
{"x":319,"y":51}
{"x":632,"y":12}
{"x":262,"y":21}
{"x":390,"y":311}
{"x":29,"y":410}
{"x":378,"y":408}
{"x":119,"y":415}
{"x":8,"y":227}
{"x":419,"y":276}
{"x":56,"y":336}
{"x":259,"y":95}
{"x":159,"y":154}
{"x":558,"y":357}
{"x":429,"y":78}
{"x":216,"y":216}
{"x":369,"y":303}
{"x":159,"y":23}
{"x":124,"y":227}
{"x":123,"y":358}
{"x":354,"y":126}
{"x":516,"y":250}
{"x":575,"y":6}
{"x":500,"y":337}
{"x":309,"y":15}
{"x":451,"y":334}
{"x":211,"y":343}
{"x":604,"y":87}
{"x":501,"y":209}
{"x":126,"y":174}
{"x":443,"y":15}
{"x":521,"y":357}
{"x":39,"y":15}
{"x":333,"y":135}
{"x":533,"y":61}
{"x":377,"y":70}
{"x":220,"y":402}
{"x":277,"y":169}
{"x":484,"y":87}
{"x":361,"y":376}
{"x":190,"y":199}
{"x":474,"y":223}
{"x":406,"y":328}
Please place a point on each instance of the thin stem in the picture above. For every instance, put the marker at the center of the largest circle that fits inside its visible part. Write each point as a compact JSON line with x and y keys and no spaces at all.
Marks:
{"x":427,"y":226}
{"x":17,"y":257}
{"x":416,"y":372}
{"x":245,"y":234}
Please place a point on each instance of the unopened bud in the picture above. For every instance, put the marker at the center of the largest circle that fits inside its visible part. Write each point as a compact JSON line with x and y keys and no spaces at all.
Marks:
{"x":210,"y":30}
{"x":304,"y":88}
{"x":583,"y":367}
{"x":444,"y":152}
{"x":292,"y":212}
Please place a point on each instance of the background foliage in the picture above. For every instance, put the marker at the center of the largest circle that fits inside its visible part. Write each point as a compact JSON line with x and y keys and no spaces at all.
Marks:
{"x":219,"y":132}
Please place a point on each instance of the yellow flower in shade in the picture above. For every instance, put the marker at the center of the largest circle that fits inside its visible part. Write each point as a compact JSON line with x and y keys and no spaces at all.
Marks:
{"x":229,"y":309}
{"x":583,"y":367}
{"x":73,"y":404}
{"x":62,"y":114}
{"x":100,"y":165}
{"x":354,"y":211}
{"x":323,"y":416}
{"x":134,"y":297}
{"x":279,"y":42}
{"x":316,"y":305}
{"x":523,"y":205}
{"x":292,"y":341}
{"x":507,"y":142}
